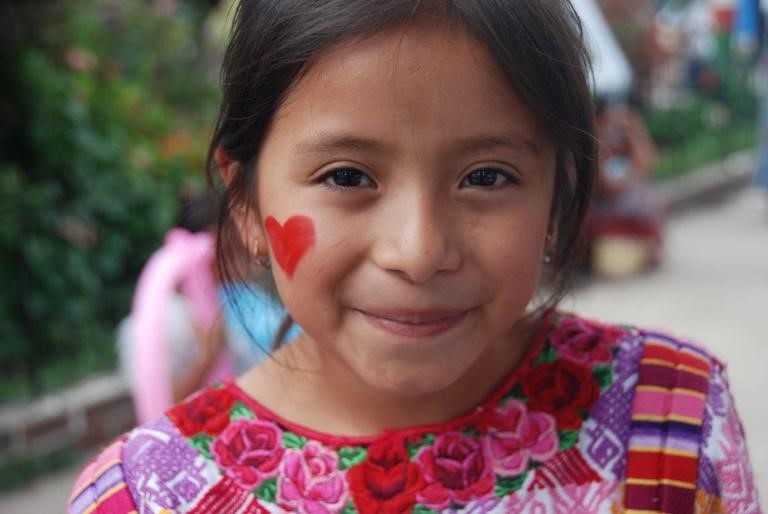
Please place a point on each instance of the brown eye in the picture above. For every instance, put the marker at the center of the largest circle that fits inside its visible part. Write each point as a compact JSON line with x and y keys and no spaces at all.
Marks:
{"x":347,"y":178}
{"x":487,"y":178}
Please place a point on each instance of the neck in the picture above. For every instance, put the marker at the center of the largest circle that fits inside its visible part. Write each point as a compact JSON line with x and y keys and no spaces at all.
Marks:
{"x":324,"y":395}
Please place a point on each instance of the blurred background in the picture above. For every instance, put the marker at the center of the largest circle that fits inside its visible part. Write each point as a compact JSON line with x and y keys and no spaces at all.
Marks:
{"x":106,"y":107}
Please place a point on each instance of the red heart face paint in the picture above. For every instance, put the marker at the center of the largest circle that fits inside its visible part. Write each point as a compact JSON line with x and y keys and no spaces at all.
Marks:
{"x":290,"y":241}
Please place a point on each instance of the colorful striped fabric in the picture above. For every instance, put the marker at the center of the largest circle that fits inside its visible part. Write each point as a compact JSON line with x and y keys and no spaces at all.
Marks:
{"x":101,"y":486}
{"x":667,"y":413}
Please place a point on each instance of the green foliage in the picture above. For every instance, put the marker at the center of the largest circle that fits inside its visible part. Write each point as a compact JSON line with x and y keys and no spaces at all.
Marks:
{"x":109,"y":115}
{"x":700,"y":131}
{"x":16,"y":473}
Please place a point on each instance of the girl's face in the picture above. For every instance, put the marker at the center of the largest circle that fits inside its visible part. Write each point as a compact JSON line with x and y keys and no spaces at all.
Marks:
{"x":405,"y":194}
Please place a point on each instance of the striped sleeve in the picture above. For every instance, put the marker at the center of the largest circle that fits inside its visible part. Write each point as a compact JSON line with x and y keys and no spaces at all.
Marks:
{"x":666,"y":428}
{"x":101,"y":486}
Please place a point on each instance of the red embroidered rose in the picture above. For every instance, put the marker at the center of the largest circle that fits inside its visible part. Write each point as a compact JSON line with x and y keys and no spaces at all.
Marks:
{"x":249,"y":451}
{"x":563,"y":389}
{"x":580,"y":341}
{"x":206,"y":412}
{"x":456,"y":470}
{"x":387,"y":482}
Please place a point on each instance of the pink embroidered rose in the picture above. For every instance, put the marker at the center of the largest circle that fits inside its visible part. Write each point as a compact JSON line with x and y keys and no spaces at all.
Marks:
{"x":455,"y":470}
{"x":515,"y":436}
{"x":310,"y":481}
{"x":587,"y":343}
{"x":249,"y":451}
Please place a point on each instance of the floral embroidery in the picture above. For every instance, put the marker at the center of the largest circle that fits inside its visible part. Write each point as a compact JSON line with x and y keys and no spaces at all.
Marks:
{"x":515,"y":436}
{"x":249,"y":451}
{"x":388,"y":481}
{"x":310,"y":481}
{"x":580,"y":341}
{"x":207,"y":412}
{"x":517,"y":444}
{"x":564,"y":389}
{"x":456,"y":471}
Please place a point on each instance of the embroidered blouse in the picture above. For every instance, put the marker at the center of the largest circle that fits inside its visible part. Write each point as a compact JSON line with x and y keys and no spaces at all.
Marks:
{"x":596,"y":418}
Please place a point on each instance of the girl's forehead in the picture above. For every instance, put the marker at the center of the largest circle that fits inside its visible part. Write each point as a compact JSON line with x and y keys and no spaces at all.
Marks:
{"x":422,"y":70}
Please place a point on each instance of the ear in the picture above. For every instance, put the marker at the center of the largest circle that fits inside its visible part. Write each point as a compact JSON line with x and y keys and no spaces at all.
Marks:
{"x":226,"y":165}
{"x":244,"y":214}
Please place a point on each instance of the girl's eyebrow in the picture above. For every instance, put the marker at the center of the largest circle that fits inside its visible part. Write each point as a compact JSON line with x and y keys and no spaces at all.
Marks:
{"x":505,"y":140}
{"x":329,"y":142}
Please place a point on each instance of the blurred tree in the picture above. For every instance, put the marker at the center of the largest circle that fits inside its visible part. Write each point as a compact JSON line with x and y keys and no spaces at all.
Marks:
{"x":105,"y":119}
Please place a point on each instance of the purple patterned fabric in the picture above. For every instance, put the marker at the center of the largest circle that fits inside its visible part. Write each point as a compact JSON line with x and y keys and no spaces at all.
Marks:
{"x":607,"y":433}
{"x":162,"y":469}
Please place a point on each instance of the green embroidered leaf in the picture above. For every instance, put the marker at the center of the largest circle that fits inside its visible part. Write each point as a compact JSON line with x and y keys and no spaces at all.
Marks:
{"x":507,"y":485}
{"x":471,"y":432}
{"x":548,"y":354}
{"x":568,"y":438}
{"x":515,"y":394}
{"x":291,"y":440}
{"x":350,"y":456}
{"x":421,"y":509}
{"x":349,"y":509}
{"x":240,"y":411}
{"x":603,"y":375}
{"x":414,"y":447}
{"x":202,"y":443}
{"x":267,"y":490}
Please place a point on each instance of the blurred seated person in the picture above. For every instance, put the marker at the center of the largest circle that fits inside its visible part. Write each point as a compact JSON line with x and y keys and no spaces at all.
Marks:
{"x":187,"y":328}
{"x":627,"y":220}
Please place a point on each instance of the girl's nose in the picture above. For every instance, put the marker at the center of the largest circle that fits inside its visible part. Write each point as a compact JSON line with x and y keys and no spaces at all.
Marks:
{"x":418,"y":241}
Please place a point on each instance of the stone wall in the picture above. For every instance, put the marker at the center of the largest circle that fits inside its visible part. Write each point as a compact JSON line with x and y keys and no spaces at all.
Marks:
{"x":85,"y":414}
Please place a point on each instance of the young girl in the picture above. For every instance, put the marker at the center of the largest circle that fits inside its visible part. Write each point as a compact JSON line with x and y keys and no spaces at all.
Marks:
{"x":413,"y":173}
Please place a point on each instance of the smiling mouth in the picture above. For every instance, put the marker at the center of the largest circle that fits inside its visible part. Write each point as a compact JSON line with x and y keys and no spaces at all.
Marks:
{"x":415,"y":324}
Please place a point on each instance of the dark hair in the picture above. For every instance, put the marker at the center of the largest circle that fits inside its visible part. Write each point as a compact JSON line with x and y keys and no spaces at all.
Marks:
{"x":197,"y":212}
{"x":537,"y":44}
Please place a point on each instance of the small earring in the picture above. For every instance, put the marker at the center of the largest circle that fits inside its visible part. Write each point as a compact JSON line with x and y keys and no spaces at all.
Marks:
{"x":548,"y":250}
{"x":262,"y":261}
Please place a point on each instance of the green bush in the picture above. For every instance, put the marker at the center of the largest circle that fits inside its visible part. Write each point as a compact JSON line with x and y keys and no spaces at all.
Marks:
{"x":701,"y":130}
{"x":108,"y":123}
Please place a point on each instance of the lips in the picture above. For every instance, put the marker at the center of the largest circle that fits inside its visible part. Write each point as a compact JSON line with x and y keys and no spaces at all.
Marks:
{"x":414,"y":324}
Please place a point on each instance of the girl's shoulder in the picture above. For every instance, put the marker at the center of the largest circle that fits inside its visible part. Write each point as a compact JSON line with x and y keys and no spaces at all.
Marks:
{"x":101,"y":486}
{"x":670,"y":407}
{"x":166,"y":465}
{"x":585,"y":339}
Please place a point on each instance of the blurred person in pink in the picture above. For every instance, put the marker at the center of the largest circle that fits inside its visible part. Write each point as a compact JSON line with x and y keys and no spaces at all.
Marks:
{"x":173,"y":342}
